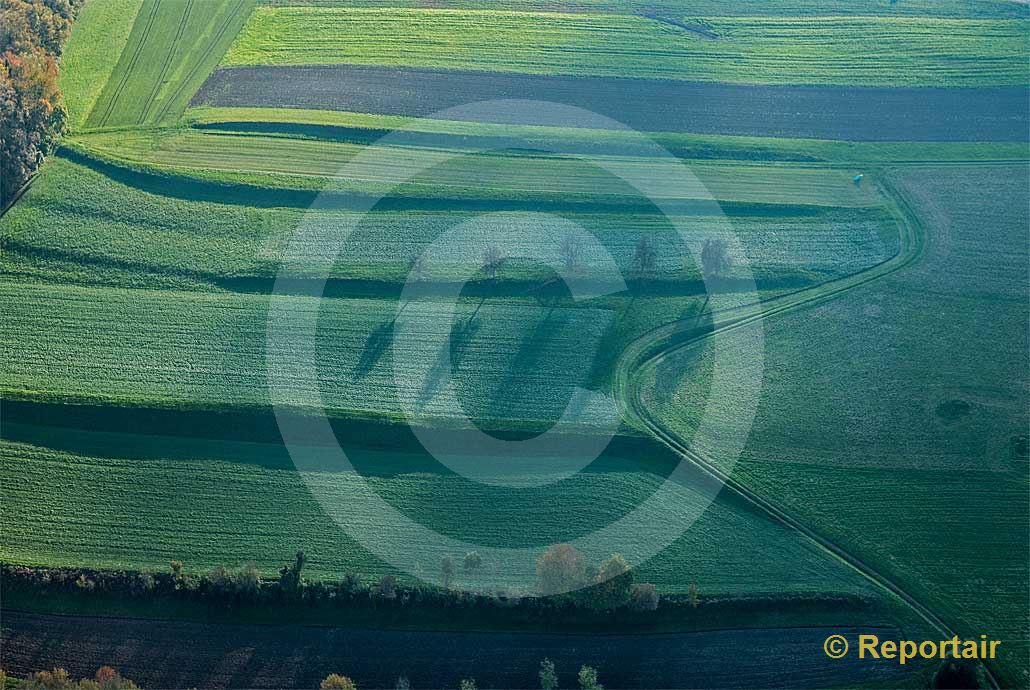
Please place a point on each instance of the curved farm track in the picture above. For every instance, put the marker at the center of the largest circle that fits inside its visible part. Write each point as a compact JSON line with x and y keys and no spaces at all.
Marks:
{"x":661,"y":343}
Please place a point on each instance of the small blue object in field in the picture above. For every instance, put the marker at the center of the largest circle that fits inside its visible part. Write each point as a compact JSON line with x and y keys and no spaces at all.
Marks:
{"x":857,"y":179}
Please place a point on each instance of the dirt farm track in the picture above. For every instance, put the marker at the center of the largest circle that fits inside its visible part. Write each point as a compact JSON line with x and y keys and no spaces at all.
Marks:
{"x":843,"y":113}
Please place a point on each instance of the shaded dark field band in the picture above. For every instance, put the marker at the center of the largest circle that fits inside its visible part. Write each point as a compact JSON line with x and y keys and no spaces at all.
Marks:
{"x":172,"y":654}
{"x":817,"y":112}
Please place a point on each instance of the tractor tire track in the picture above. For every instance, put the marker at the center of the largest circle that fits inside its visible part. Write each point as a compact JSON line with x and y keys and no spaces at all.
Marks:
{"x":144,"y":36}
{"x":659,"y":344}
{"x":183,"y":21}
{"x":231,"y":15}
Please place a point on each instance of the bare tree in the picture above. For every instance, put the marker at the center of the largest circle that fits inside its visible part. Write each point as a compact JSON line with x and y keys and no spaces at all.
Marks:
{"x":447,"y":571}
{"x":645,"y":257}
{"x":473,"y":561}
{"x":571,"y":251}
{"x":493,"y":260}
{"x":715,"y":258}
{"x":418,"y":268}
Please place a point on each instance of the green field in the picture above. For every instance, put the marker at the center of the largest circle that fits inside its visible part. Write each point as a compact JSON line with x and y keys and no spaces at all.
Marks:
{"x":984,"y":9}
{"x":494,"y":176}
{"x":891,"y":428}
{"x":231,"y":502}
{"x":873,"y":50}
{"x":84,"y":226}
{"x":86,"y":64}
{"x":195,"y":350}
{"x":172,"y":47}
{"x":942,"y":407}
{"x":80,"y":228}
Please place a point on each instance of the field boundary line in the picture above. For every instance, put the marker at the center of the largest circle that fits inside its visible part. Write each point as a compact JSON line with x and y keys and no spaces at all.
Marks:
{"x":173,"y":96}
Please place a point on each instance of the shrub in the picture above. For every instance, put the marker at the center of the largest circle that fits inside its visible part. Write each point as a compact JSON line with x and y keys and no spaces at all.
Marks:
{"x":692,"y":596}
{"x":335,"y":681}
{"x":644,"y":597}
{"x":614,"y":584}
{"x":548,"y":676}
{"x":388,"y":587}
{"x":588,"y":679}
{"x":290,"y":580}
{"x":561,"y":568}
{"x":106,"y":678}
{"x":351,"y":582}
{"x":58,"y":679}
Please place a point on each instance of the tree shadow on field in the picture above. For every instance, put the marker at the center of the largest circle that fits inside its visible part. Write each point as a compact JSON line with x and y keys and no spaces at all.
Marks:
{"x":513,"y":393}
{"x":375,"y":346}
{"x":449,"y":356}
{"x":669,"y":374}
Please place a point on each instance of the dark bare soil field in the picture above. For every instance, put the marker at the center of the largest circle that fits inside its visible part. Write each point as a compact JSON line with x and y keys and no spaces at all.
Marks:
{"x":162,"y":654}
{"x":850,"y":114}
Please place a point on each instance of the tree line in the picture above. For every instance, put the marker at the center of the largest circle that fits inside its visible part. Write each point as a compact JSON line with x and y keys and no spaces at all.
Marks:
{"x":951,"y":673}
{"x":32,"y":112}
{"x":587,"y":679}
{"x":716,"y":260}
{"x":106,"y":678}
{"x":564,"y":579}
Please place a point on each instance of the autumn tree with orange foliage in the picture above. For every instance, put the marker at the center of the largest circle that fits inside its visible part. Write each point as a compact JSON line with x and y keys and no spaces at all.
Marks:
{"x":32,"y":114}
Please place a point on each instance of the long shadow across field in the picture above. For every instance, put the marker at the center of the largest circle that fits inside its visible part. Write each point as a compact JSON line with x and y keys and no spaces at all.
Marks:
{"x":189,"y":188}
{"x":169,"y":654}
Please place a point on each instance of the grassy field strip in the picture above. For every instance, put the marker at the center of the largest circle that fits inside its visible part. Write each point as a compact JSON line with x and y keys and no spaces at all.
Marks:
{"x":954,"y":424}
{"x":99,"y":34}
{"x":173,"y":46}
{"x":207,"y":502}
{"x":201,"y":350}
{"x":874,"y":51}
{"x":983,"y":9}
{"x":364,"y":127}
{"x":78,"y":225}
{"x":488,"y":176}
